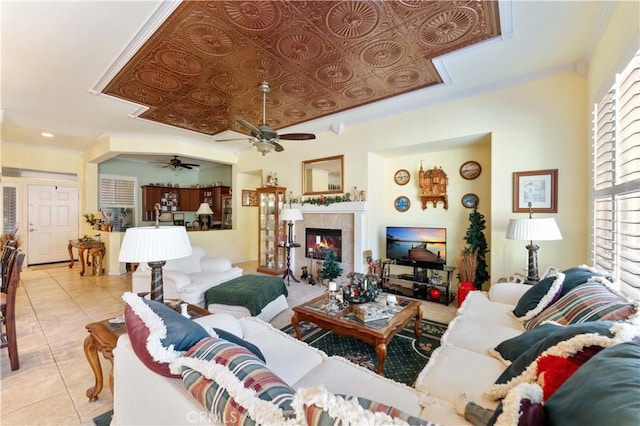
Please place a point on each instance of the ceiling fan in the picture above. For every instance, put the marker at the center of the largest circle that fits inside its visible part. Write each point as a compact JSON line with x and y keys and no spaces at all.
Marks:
{"x":264,"y":138}
{"x":176,"y":164}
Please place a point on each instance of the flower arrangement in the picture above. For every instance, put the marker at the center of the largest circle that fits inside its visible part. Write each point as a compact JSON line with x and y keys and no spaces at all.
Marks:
{"x":361,"y":288}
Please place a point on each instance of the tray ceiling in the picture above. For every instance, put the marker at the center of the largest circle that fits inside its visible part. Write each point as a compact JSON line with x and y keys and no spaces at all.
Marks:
{"x":201,"y":69}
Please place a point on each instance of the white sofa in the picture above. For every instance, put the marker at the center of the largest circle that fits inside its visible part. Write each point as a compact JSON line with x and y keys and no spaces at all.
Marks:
{"x":462,"y":364}
{"x":143,"y":397}
{"x":189,"y":277}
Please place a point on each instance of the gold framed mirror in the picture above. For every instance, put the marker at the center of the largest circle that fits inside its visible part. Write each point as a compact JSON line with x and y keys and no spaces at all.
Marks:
{"x":323,"y":175}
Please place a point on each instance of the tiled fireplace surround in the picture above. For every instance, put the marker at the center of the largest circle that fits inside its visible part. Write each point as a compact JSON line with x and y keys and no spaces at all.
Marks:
{"x":349,"y":217}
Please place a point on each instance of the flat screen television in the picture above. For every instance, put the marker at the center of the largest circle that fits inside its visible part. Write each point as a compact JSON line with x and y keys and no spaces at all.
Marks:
{"x":417,"y":246}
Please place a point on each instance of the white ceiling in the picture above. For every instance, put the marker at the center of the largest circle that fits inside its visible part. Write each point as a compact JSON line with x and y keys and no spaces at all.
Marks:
{"x":55,"y":52}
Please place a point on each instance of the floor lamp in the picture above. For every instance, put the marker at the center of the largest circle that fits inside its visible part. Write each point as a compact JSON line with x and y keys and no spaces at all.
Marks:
{"x":530,"y":229}
{"x":155,"y":245}
{"x":290,"y":216}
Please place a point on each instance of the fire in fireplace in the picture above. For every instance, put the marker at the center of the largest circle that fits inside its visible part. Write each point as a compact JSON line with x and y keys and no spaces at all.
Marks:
{"x":319,"y":242}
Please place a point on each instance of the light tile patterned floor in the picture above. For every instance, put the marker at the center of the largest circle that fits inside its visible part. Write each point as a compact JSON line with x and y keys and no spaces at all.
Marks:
{"x":54,"y":305}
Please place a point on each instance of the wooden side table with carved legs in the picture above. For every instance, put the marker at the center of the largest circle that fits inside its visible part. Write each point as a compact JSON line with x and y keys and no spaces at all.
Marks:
{"x":103,"y":337}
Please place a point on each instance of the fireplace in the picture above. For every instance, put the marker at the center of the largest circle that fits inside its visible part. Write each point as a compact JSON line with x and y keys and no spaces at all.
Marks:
{"x":320,"y":241}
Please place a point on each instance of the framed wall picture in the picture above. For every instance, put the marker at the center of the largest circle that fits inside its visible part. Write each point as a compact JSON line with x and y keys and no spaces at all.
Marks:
{"x":538,"y":187}
{"x":402,"y":203}
{"x":402,"y":177}
{"x":470,"y":170}
{"x":165,"y":217}
{"x":470,"y":200}
{"x":249,"y":197}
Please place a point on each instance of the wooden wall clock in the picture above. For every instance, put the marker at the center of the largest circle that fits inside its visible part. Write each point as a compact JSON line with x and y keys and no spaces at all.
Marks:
{"x":402,"y":203}
{"x":470,"y":170}
{"x":402,"y":177}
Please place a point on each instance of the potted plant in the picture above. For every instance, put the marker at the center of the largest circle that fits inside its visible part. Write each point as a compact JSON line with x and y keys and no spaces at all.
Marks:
{"x":467,"y":263}
{"x":477,"y":243}
{"x":331,"y":269}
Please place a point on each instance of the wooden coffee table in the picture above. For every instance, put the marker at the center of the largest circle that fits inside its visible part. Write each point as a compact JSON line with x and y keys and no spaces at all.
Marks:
{"x":345,"y":324}
{"x":103,"y":338}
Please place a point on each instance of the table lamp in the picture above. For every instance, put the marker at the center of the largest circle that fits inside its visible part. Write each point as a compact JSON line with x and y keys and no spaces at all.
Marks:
{"x":290,"y":215}
{"x":155,"y":245}
{"x":204,"y":209}
{"x":542,"y":229}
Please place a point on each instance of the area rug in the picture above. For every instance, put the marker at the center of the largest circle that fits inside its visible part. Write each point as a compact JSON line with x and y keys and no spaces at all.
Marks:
{"x":103,"y":419}
{"x":406,"y":355}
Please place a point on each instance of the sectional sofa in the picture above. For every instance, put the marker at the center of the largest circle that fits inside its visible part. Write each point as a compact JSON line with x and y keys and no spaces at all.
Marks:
{"x":492,"y":358}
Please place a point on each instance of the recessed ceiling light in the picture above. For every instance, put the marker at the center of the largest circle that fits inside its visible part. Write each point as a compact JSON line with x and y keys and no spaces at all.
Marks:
{"x":47,"y":134}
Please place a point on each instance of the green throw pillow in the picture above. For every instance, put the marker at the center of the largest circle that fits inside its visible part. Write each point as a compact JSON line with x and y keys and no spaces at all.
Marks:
{"x":559,"y":335}
{"x":603,"y":391}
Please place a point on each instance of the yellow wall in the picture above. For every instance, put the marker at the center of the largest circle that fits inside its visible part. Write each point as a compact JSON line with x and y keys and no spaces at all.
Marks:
{"x":542,"y":124}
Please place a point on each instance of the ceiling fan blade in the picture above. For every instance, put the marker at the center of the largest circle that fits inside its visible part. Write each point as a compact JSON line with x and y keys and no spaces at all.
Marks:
{"x":234,"y":139}
{"x":190,"y":165}
{"x":185,"y":166}
{"x":279,"y":148}
{"x":297,"y":136}
{"x":255,"y":132}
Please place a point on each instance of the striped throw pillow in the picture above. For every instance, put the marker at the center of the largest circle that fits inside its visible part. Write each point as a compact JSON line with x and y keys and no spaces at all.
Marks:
{"x":587,"y":302}
{"x":234,"y":385}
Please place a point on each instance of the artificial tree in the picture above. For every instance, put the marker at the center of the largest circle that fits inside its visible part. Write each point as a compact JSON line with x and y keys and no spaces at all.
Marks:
{"x":331,"y":269}
{"x":478,"y":244}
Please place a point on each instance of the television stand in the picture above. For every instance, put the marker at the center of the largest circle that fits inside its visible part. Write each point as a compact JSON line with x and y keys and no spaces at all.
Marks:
{"x":418,"y":285}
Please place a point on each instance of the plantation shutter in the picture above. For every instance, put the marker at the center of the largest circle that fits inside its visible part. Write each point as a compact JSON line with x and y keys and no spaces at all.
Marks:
{"x":117,"y":191}
{"x":117,"y":199}
{"x":616,"y":178}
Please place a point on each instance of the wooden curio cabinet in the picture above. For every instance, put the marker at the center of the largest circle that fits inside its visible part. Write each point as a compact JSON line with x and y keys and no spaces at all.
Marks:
{"x":271,"y":231}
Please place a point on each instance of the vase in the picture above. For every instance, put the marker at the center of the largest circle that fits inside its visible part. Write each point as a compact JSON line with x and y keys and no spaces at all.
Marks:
{"x":463,"y":290}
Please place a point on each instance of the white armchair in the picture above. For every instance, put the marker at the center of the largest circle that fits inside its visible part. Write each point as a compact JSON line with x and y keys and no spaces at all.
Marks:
{"x":189,"y":277}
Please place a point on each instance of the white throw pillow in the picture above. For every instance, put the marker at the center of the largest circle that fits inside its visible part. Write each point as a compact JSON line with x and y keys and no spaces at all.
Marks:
{"x":222,"y":321}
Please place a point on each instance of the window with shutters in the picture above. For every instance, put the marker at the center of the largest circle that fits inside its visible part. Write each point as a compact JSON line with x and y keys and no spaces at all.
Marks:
{"x":118,"y":199}
{"x":616,"y":179}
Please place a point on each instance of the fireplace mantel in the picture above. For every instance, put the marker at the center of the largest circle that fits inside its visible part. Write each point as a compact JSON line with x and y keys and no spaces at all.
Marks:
{"x":358,"y":210}
{"x":345,"y":207}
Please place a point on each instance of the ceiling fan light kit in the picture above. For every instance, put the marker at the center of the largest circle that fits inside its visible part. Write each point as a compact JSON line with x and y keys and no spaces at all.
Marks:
{"x":264,"y":138}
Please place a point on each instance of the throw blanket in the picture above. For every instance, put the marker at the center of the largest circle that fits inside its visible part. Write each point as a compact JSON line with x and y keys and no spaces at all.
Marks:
{"x":254,"y":292}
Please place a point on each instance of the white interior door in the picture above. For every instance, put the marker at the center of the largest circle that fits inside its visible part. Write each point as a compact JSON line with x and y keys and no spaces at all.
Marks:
{"x":53,"y":220}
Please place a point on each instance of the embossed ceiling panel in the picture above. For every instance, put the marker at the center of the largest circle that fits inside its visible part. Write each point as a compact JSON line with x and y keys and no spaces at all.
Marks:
{"x":201,"y":70}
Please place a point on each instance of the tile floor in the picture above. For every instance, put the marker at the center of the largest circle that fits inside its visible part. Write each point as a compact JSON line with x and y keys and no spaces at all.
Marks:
{"x":53,"y":306}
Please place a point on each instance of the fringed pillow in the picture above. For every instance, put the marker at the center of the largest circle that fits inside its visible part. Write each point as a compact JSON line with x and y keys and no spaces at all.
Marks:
{"x":591,"y":301}
{"x":579,"y":348}
{"x":234,"y":385}
{"x":539,"y":296}
{"x":158,"y":334}
{"x":604,"y":391}
{"x":521,"y":407}
{"x":559,"y":335}
{"x":582,"y":274}
{"x":317,"y":406}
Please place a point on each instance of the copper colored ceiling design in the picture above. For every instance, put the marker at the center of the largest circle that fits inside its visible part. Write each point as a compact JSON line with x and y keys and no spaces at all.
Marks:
{"x":201,"y":70}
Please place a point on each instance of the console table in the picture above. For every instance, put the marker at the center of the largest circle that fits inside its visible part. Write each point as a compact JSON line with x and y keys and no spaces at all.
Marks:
{"x":95,"y":251}
{"x":103,"y":337}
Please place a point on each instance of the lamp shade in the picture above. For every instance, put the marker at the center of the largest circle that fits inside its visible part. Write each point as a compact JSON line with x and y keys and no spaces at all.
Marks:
{"x":533,"y":229}
{"x":153,"y":244}
{"x":204,"y":208}
{"x":287,"y":214}
{"x":99,"y":215}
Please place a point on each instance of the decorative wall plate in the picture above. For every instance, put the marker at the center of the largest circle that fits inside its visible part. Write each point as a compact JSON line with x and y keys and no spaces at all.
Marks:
{"x":402,"y":203}
{"x":402,"y":177}
{"x":470,"y":200}
{"x":470,"y":170}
